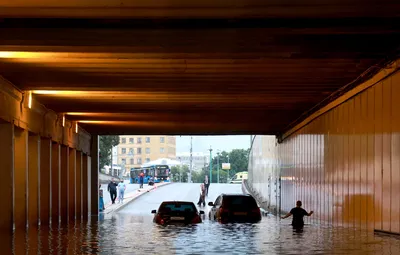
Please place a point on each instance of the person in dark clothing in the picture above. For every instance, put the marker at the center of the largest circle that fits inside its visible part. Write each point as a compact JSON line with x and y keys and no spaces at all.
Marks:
{"x":298,"y":214}
{"x":206,"y":184}
{"x":112,"y":188}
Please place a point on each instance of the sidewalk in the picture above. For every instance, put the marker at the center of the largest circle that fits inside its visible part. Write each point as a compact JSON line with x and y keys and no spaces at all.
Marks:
{"x":130,"y":196}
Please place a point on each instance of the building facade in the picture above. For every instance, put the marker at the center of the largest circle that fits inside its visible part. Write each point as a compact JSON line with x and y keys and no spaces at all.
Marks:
{"x":199,"y":159}
{"x":133,"y":151}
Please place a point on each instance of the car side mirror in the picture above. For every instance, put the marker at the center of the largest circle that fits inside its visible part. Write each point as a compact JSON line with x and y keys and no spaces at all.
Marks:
{"x":201,"y":212}
{"x":154,"y":211}
{"x":210,"y":204}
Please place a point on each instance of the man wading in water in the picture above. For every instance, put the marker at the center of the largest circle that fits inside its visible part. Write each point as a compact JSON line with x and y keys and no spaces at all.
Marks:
{"x":298,"y":214}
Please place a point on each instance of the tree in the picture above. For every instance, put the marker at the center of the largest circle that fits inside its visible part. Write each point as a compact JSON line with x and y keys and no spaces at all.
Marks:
{"x":106,"y":143}
{"x":238,"y":158}
{"x":180,"y":173}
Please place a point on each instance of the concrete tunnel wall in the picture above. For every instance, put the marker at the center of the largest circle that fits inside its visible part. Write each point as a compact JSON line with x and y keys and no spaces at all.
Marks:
{"x":343,"y":162}
{"x":45,"y":166}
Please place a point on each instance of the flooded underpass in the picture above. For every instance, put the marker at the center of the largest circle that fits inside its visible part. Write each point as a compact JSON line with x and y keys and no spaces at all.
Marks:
{"x":131,"y":231}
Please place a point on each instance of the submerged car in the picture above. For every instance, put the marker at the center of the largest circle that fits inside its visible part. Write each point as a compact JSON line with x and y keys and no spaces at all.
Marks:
{"x":235,"y":208}
{"x":177,"y":212}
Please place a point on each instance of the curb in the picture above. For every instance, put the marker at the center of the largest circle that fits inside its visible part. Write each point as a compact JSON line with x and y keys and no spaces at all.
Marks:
{"x":134,"y":198}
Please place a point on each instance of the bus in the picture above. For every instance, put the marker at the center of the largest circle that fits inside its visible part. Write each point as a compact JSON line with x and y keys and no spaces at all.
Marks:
{"x":135,"y":171}
{"x":159,"y":172}
{"x":239,"y":177}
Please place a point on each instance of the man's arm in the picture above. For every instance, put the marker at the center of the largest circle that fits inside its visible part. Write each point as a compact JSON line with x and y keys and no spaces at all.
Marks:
{"x":108,"y":188}
{"x":287,"y":215}
{"x":309,"y":214}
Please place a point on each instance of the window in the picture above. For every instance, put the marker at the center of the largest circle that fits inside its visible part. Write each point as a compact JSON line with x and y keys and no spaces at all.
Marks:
{"x":147,"y":150}
{"x":123,"y":140}
{"x":131,"y":140}
{"x":161,"y":150}
{"x":162,"y":139}
{"x":147,"y":160}
{"x":147,"y":139}
{"x":123,"y":160}
{"x":131,"y":151}
{"x":139,"y":140}
{"x":123,"y":150}
{"x":132,"y":161}
{"x":139,"y":150}
{"x":139,"y":160}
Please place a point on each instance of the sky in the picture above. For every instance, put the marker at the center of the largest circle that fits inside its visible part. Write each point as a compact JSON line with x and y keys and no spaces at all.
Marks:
{"x":202,"y":143}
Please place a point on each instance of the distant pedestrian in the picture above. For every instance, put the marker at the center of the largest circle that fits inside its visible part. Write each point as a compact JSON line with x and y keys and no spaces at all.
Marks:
{"x":112,"y":188}
{"x":202,"y":199}
{"x":121,"y":190}
{"x":141,"y":180}
{"x":298,"y":214}
{"x":206,"y":184}
{"x":101,"y":200}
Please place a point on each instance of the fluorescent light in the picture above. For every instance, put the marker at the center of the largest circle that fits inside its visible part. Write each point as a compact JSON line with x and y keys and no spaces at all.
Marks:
{"x":30,"y":100}
{"x":63,"y":121}
{"x":76,"y":127}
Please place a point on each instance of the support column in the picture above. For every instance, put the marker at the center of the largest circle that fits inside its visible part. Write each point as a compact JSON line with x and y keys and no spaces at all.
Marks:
{"x":94,"y":176}
{"x":6,"y":175}
{"x":55,"y":182}
{"x":20,"y":177}
{"x":64,"y":184}
{"x":44,"y":181}
{"x":33,"y":179}
{"x":78,"y":185}
{"x":85,"y":187}
{"x":71,"y":184}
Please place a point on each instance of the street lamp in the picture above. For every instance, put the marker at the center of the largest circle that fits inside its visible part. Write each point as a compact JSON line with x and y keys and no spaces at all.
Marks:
{"x":218,"y":166}
{"x":227,"y":179}
{"x":210,"y":164}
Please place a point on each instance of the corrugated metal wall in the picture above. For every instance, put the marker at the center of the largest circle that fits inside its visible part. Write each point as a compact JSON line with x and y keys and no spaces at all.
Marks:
{"x":344,"y":165}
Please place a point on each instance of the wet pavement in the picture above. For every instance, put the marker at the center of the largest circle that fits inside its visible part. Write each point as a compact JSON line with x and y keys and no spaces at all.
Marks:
{"x":131,"y":231}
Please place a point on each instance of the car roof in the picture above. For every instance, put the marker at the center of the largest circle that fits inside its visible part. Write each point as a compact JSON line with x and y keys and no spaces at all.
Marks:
{"x":177,"y":202}
{"x":235,"y":195}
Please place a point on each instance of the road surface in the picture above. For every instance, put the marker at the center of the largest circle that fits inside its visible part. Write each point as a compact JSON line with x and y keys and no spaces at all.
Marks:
{"x":177,"y":191}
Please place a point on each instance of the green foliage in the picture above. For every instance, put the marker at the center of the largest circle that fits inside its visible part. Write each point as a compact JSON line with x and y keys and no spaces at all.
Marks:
{"x":106,"y":143}
{"x":238,"y":159}
{"x":180,"y":173}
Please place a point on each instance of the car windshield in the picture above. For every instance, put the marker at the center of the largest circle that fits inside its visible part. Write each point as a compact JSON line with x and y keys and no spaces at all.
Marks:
{"x":177,"y":207}
{"x":245,"y":201}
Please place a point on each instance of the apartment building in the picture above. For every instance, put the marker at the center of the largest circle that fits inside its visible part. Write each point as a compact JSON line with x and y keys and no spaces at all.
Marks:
{"x":134,"y":151}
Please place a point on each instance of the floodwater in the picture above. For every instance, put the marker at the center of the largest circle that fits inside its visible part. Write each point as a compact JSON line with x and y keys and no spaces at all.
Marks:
{"x":131,"y":231}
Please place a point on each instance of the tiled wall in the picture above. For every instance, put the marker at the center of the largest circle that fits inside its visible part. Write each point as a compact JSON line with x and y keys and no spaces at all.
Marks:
{"x":344,"y":165}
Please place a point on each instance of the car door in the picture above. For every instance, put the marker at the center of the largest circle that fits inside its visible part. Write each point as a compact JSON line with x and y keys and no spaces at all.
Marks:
{"x":215,"y":208}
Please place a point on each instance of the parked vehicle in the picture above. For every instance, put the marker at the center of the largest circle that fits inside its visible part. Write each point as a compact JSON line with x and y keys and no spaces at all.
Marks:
{"x":177,"y":212}
{"x":234,"y":208}
{"x":239,"y":177}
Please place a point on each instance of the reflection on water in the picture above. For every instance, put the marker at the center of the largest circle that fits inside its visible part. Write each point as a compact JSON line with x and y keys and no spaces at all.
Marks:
{"x":130,"y":234}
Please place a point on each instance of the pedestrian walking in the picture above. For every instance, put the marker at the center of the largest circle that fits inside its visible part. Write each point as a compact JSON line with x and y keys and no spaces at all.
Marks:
{"x":112,"y":188}
{"x":202,"y":198}
{"x":101,"y":200}
{"x":141,"y":180}
{"x":298,"y":214}
{"x":121,"y":190}
{"x":206,"y":184}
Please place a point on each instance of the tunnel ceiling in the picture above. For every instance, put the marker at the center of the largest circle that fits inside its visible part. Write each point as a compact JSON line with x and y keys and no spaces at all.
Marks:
{"x":204,"y":67}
